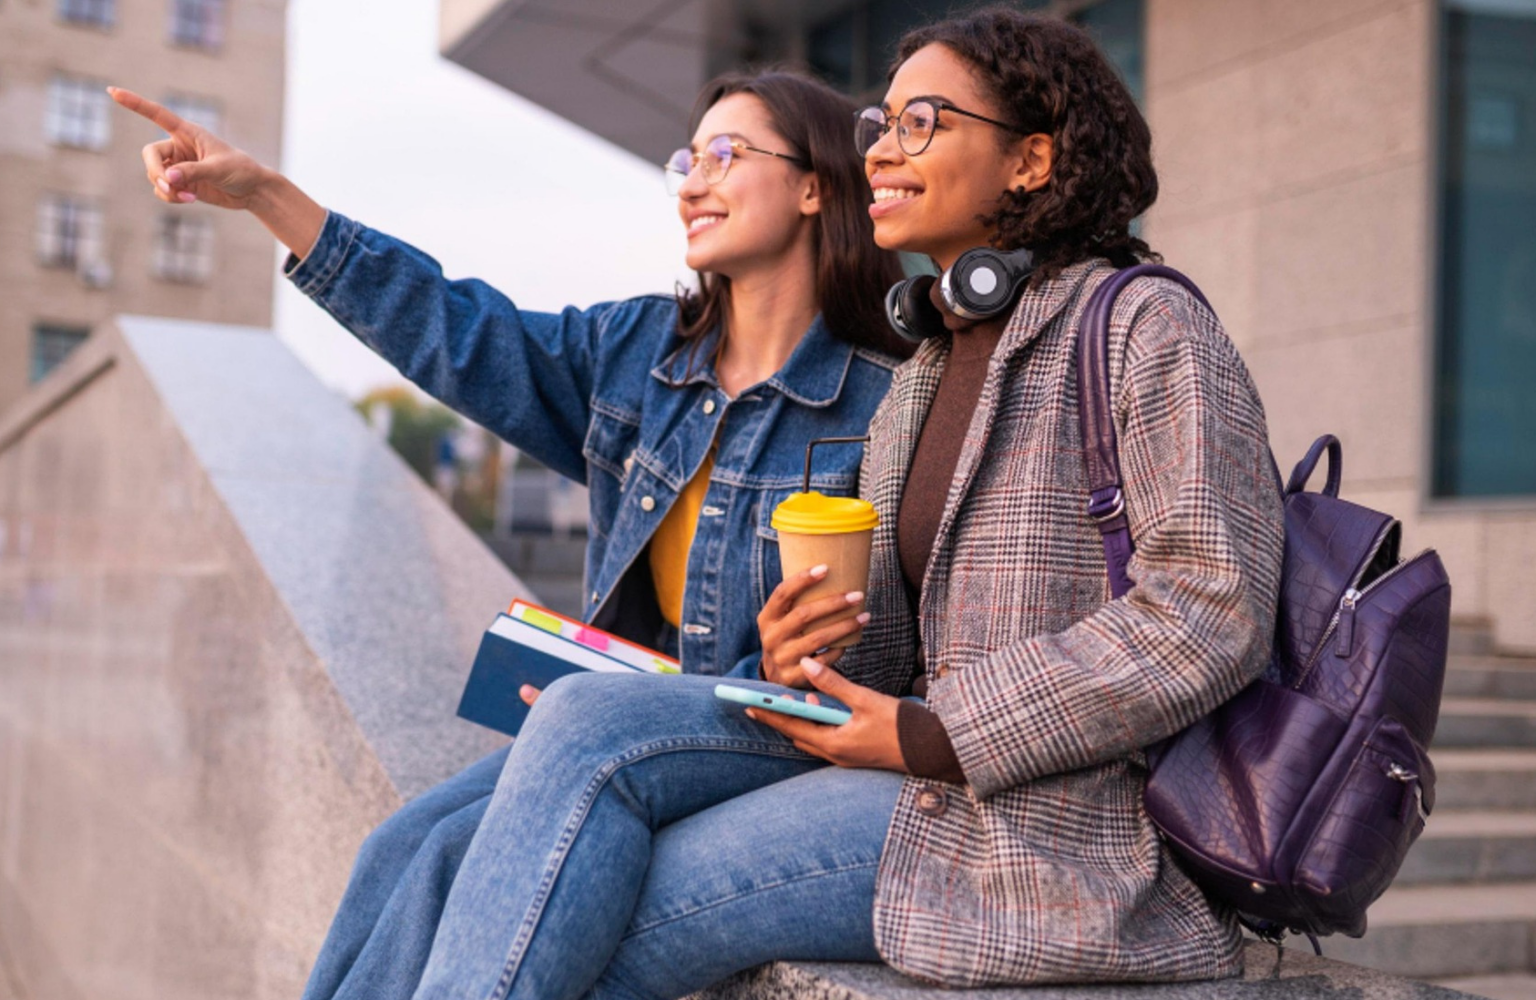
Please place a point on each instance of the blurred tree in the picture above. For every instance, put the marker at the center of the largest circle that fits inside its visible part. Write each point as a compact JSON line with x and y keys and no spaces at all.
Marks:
{"x":415,"y":426}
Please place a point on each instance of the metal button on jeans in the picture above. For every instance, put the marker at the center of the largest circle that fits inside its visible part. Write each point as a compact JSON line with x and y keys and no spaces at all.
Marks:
{"x":932,"y":801}
{"x":647,"y":504}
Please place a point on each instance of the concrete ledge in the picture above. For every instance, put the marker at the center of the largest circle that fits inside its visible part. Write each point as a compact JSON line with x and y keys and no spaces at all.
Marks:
{"x":1295,"y":976}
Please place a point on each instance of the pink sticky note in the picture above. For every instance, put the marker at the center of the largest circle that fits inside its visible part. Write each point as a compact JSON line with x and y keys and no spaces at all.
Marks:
{"x":593,"y":638}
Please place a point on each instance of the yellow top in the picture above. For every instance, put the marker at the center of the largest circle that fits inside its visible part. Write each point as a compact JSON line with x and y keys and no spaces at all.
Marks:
{"x":814,"y":514}
{"x":673,"y":539}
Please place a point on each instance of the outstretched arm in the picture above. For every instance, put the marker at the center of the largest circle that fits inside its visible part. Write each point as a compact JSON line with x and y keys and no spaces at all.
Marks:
{"x":193,"y":164}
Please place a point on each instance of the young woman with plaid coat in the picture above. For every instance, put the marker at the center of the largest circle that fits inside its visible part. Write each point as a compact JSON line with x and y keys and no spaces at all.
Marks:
{"x":645,"y":840}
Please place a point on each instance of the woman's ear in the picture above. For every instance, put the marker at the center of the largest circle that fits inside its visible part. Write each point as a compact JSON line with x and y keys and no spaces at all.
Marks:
{"x":1037,"y":153}
{"x":810,"y":196}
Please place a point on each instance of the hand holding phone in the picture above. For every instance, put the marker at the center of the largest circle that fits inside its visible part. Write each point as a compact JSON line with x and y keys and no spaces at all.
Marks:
{"x":782,"y":704}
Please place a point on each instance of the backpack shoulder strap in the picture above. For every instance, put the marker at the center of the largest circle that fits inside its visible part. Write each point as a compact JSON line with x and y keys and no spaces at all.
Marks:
{"x":1101,"y":456}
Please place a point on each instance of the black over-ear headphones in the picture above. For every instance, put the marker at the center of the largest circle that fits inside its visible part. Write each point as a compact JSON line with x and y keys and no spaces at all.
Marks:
{"x":981,"y":284}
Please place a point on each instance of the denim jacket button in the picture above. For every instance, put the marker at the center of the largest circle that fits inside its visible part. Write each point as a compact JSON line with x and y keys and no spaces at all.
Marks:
{"x":629,"y":463}
{"x":709,"y":407}
{"x":647,"y":504}
{"x":932,"y":801}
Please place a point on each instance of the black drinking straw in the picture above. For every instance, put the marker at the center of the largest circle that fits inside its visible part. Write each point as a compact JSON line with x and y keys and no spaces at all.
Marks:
{"x":812,"y":447}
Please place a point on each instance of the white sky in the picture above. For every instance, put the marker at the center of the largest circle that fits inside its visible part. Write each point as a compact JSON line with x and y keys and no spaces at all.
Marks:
{"x":381,"y":128}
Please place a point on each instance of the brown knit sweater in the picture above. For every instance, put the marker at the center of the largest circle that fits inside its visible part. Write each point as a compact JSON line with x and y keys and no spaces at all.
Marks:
{"x":925,"y":746}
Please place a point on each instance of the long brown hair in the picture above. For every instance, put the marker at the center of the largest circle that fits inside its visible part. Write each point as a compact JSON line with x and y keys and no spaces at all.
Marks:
{"x":852,"y":274}
{"x":1048,"y":75}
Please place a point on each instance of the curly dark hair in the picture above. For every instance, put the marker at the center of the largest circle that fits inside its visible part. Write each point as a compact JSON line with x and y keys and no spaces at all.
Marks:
{"x":1048,"y":75}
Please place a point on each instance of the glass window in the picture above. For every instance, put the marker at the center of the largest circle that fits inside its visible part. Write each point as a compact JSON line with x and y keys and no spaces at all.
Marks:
{"x":1485,"y":409}
{"x":79,"y":113}
{"x":51,"y":344}
{"x":197,"y":110}
{"x":101,"y":13}
{"x":198,"y":23}
{"x":68,"y":232}
{"x":184,"y":248}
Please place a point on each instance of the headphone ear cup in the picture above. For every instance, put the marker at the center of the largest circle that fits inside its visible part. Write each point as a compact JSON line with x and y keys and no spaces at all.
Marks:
{"x":912,"y":314}
{"x":984,"y":282}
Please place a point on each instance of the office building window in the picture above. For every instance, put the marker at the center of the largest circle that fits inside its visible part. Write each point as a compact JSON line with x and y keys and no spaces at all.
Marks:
{"x":51,"y":344}
{"x":184,"y":248}
{"x":1485,"y":409}
{"x":197,"y":110}
{"x":68,"y":232}
{"x":79,"y":113}
{"x":99,"y":13}
{"x":197,"y":23}
{"x":853,"y":48}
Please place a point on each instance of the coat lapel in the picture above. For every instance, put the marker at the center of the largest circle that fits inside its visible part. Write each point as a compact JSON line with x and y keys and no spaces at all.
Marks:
{"x":1036,"y":310}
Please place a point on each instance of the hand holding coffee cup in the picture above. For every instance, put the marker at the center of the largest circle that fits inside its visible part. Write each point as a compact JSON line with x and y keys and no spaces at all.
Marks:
{"x":793,"y":628}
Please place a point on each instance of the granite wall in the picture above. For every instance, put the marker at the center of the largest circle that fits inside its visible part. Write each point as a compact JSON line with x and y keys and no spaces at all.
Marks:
{"x":233,"y":627}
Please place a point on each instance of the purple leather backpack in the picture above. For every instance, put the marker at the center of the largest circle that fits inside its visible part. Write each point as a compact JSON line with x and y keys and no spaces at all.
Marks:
{"x":1295,"y":802}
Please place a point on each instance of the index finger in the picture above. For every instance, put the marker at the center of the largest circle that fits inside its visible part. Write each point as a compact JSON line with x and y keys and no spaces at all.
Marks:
{"x":791,"y":587}
{"x":145,"y":108}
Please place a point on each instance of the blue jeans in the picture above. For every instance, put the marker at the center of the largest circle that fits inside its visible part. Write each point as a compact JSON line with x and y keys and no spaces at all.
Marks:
{"x":647,"y":839}
{"x":378,"y":944}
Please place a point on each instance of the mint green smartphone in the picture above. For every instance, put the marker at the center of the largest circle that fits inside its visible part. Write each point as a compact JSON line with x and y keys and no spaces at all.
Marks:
{"x":783,"y":705}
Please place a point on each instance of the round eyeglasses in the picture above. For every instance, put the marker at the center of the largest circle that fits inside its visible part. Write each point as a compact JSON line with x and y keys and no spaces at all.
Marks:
{"x":914,"y":126}
{"x":715,"y":160}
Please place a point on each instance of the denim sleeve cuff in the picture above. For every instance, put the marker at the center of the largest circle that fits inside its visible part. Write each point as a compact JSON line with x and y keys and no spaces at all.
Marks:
{"x":314,"y":273}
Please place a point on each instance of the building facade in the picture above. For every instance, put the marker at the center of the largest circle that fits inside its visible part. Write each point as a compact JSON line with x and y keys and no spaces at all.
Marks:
{"x":1353,"y":183}
{"x":81,"y":236}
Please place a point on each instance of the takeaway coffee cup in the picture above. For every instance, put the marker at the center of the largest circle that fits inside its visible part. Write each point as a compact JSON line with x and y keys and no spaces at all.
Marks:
{"x":815,"y":529}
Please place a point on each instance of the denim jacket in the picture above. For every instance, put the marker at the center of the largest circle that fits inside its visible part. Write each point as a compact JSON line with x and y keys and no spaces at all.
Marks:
{"x":612,"y":397}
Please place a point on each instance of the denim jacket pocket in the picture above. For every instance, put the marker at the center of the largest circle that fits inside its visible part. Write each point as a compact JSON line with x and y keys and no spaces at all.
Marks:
{"x":611,"y":439}
{"x":767,"y":571}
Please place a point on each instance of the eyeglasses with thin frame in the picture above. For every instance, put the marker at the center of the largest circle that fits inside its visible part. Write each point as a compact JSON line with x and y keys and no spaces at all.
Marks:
{"x":915,"y":125}
{"x":715,"y":159}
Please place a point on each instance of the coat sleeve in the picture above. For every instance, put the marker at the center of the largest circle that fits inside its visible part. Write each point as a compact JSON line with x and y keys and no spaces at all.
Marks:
{"x":1196,"y":626}
{"x":525,"y":376}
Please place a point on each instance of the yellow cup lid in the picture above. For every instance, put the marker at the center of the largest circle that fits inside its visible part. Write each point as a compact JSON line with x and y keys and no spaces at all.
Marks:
{"x":814,"y":514}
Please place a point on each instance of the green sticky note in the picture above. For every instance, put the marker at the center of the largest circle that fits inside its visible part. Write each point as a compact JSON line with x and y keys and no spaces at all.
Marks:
{"x":539,"y":619}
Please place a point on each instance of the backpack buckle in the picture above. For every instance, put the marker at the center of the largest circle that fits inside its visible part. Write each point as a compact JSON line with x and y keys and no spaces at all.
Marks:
{"x":1106,"y":509}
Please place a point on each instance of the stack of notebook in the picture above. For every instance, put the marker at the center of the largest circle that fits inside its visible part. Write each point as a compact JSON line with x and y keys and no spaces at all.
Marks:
{"x":533,"y":645}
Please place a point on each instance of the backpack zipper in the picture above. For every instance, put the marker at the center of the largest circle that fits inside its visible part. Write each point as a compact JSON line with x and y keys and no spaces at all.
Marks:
{"x":1346,"y":608}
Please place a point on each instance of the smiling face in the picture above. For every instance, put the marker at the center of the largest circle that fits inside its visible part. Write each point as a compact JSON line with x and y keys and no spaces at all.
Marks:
{"x":932,"y":203}
{"x":760,"y":210}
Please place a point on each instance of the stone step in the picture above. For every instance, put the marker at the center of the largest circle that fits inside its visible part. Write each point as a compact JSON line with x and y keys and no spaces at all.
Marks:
{"x":1438,"y":931}
{"x":1490,"y":677}
{"x":1486,"y":722}
{"x":1484,"y":779}
{"x":1462,"y":846}
{"x":1471,"y":638}
{"x":1518,"y":986}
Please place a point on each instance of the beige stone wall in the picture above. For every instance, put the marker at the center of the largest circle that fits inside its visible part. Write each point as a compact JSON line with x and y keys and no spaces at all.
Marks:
{"x":1296,"y":145}
{"x":245,"y":77}
{"x":182,"y":790}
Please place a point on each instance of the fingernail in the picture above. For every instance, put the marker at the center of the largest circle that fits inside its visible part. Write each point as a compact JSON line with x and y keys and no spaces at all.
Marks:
{"x":854,"y":596}
{"x":752,"y":714}
{"x":810,"y":666}
{"x":819,"y":570}
{"x":185,"y":196}
{"x":174,"y":175}
{"x":862,"y":618}
{"x":162,"y":185}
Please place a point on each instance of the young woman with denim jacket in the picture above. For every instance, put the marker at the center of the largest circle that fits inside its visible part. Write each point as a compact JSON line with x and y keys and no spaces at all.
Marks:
{"x":687,"y":417}
{"x":646,"y":839}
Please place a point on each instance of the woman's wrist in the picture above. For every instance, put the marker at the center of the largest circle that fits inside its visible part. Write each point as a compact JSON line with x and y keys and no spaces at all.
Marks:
{"x":289,"y":214}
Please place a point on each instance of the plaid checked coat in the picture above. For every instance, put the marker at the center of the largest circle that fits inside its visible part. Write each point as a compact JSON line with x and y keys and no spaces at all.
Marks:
{"x":1044,"y":866}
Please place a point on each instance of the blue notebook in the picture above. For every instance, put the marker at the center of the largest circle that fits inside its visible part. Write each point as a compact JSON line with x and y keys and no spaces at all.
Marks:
{"x":532,"y":645}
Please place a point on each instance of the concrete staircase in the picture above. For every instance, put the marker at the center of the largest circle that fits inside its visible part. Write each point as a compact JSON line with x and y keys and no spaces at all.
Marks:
{"x":1463,"y":908}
